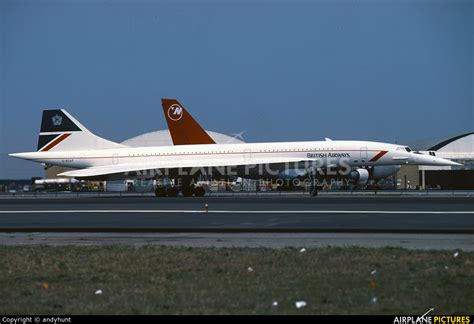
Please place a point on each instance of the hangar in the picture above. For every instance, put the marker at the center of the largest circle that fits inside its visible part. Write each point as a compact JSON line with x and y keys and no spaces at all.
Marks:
{"x":459,"y":149}
{"x":163,"y":138}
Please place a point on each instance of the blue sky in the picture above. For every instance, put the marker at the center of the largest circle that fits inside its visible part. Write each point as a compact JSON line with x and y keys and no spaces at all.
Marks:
{"x":393,"y":71}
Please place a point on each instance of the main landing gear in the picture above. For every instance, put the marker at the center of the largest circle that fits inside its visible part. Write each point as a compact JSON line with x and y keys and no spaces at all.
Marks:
{"x":189,"y":191}
{"x":171,"y":191}
{"x":313,"y":189}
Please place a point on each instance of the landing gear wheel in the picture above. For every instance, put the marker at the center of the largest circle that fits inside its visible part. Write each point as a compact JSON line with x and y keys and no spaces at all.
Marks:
{"x":160,"y":192}
{"x":188,"y":191}
{"x":313,"y":190}
{"x":172,"y":192}
{"x":199,"y":191}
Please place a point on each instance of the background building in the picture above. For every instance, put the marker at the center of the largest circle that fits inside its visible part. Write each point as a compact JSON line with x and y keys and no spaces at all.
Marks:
{"x":459,"y":149}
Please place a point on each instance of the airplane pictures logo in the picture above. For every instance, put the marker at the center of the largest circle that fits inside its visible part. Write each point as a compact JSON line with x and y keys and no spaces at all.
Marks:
{"x":57,"y":120}
{"x":175,"y":112}
{"x":432,"y":319}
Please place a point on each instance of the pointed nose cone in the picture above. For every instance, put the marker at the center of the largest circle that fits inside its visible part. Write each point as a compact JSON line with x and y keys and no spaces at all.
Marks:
{"x":423,"y":159}
{"x":452,"y":163}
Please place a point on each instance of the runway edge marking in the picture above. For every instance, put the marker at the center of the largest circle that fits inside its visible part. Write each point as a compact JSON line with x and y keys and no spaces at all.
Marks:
{"x":162,"y":211}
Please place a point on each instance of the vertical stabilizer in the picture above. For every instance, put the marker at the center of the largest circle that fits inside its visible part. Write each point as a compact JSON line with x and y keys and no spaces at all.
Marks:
{"x":183,"y":128}
{"x":62,"y":132}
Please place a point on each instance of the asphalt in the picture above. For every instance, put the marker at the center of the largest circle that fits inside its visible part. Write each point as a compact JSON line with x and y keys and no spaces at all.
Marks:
{"x":246,"y":214}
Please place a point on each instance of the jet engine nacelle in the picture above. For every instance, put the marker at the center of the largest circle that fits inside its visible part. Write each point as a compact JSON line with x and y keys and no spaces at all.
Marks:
{"x":359,"y":176}
{"x":381,"y":172}
{"x":292,"y":173}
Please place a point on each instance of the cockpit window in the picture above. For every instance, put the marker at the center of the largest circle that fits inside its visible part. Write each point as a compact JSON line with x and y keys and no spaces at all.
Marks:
{"x":407,"y":149}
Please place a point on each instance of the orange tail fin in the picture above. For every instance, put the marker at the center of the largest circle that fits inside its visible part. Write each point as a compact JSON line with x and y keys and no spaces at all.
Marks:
{"x":183,"y":128}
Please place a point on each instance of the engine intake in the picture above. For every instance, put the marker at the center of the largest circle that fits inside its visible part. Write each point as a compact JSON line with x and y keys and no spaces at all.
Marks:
{"x":359,"y":176}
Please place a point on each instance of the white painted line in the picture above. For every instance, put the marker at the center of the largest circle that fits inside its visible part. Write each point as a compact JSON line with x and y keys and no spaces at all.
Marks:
{"x":184,"y":211}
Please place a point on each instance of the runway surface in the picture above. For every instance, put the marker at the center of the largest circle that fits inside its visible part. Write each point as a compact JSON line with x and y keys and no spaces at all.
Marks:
{"x":247,"y":214}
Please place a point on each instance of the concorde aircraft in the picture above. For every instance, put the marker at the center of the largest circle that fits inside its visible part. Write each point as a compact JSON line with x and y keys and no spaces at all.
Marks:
{"x":64,"y":141}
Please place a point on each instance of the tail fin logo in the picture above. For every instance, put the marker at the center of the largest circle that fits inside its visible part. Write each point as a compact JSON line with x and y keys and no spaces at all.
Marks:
{"x":175,"y":112}
{"x":57,"y":120}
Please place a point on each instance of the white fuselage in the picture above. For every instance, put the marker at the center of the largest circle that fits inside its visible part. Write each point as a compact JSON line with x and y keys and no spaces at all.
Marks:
{"x":325,"y":153}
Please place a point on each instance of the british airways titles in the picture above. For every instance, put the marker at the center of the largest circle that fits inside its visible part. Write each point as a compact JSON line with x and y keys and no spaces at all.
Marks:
{"x":328,"y":155}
